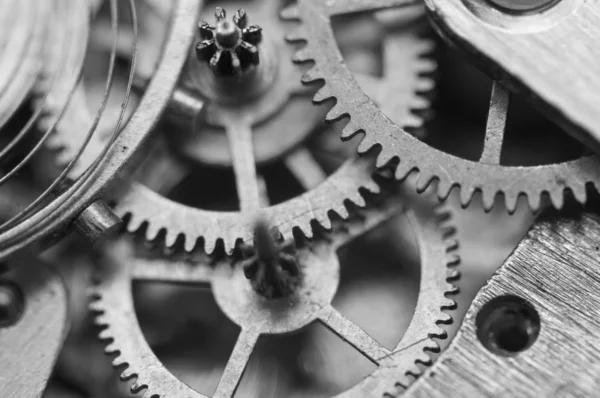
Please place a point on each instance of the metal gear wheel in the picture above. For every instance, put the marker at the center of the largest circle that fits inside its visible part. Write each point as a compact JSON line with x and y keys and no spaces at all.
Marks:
{"x":175,"y":223}
{"x":395,"y":144}
{"x":257,"y":315}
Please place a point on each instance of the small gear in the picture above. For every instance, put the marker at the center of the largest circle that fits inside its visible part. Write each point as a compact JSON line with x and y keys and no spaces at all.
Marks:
{"x":229,"y":48}
{"x":244,"y":149}
{"x":259,"y":315}
{"x":395,"y":144}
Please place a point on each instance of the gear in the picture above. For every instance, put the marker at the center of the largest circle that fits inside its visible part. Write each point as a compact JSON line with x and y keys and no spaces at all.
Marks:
{"x":230,"y":49}
{"x":257,"y":315}
{"x":395,"y":144}
{"x":176,"y":224}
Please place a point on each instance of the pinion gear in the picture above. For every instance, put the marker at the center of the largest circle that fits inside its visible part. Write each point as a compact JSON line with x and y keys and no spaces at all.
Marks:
{"x":487,"y":176}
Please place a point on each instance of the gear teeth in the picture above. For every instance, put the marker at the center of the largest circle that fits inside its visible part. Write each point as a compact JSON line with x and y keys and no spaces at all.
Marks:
{"x":579,"y":193}
{"x":384,"y":158}
{"x":558,"y":199}
{"x":171,"y":239}
{"x":311,"y":75}
{"x":445,"y":319}
{"x":366,"y":144}
{"x":127,"y":374}
{"x":534,"y":201}
{"x":152,"y":232}
{"x":452,"y":259}
{"x":511,"y":199}
{"x":210,"y":245}
{"x":323,"y":94}
{"x":423,"y":183}
{"x":444,"y":187}
{"x":466,"y":195}
{"x":452,"y":275}
{"x":488,"y":198}
{"x":294,"y":36}
{"x":425,"y":85}
{"x":451,"y":244}
{"x":335,"y":113}
{"x":350,"y":129}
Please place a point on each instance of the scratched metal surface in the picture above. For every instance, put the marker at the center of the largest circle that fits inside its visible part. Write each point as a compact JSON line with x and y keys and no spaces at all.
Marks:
{"x":556,"y":268}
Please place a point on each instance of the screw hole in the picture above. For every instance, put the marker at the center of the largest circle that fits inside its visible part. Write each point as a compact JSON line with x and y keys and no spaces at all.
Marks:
{"x":507,"y":325}
{"x":12,"y":304}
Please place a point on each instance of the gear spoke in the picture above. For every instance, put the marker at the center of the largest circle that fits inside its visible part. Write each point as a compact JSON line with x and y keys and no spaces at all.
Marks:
{"x":340,"y":7}
{"x":236,"y":365}
{"x":159,"y":270}
{"x":242,"y":153}
{"x":496,"y":124}
{"x":353,"y":334}
{"x":305,"y":168}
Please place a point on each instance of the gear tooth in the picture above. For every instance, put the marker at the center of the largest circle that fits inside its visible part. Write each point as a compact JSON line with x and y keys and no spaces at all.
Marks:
{"x":372,"y":187}
{"x":290,"y":13}
{"x":466,"y":195}
{"x":452,"y":259}
{"x":402,"y":171}
{"x":579,"y":193}
{"x":488,"y":197}
{"x":385,"y":156}
{"x":451,"y":245}
{"x":342,"y":211}
{"x":308,"y":232}
{"x":534,"y":200}
{"x":511,"y":198}
{"x":452,"y":289}
{"x":210,"y":244}
{"x":311,"y":75}
{"x":350,"y":129}
{"x":444,"y":187}
{"x":424,"y":358}
{"x":412,"y":121}
{"x":419,"y":103}
{"x":452,"y":275}
{"x":323,"y":94}
{"x":423,"y":182}
{"x":359,"y":200}
{"x":228,"y":246}
{"x":445,"y":319}
{"x":295,"y":35}
{"x":105,"y":334}
{"x":426,"y":65}
{"x":425,"y":85}
{"x":134,"y":223}
{"x":152,"y":232}
{"x":326,"y":223}
{"x":449,"y":304}
{"x":366,"y":144}
{"x":335,"y":114}
{"x":557,"y":198}
{"x":171,"y":239}
{"x":127,"y":374}
{"x":112,"y":349}
{"x":118,"y":361}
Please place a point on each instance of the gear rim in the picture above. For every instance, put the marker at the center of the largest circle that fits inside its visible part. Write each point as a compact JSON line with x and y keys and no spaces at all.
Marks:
{"x":394,"y":144}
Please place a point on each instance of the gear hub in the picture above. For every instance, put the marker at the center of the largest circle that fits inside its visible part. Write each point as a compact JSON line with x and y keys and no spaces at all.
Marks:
{"x":229,"y":48}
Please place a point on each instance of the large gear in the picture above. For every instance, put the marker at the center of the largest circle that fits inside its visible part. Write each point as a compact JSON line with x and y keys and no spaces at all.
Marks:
{"x":176,"y":222}
{"x":487,"y":176}
{"x":257,"y":315}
